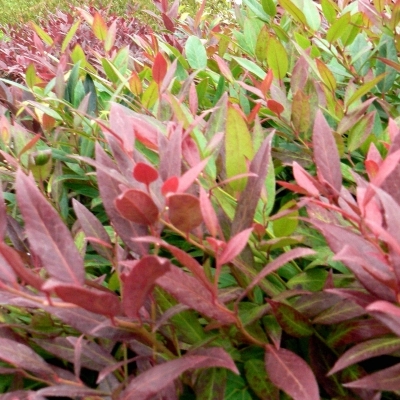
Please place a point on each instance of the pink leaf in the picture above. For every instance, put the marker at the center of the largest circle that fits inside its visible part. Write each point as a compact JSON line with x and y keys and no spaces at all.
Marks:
{"x":387,"y":379}
{"x":184,"y":211}
{"x":189,"y":291}
{"x":23,"y":357}
{"x":139,"y":282}
{"x":186,"y":180}
{"x":154,"y":380}
{"x":326,"y":154}
{"x":145,"y":173}
{"x":70,"y":391}
{"x":235,"y":246}
{"x":305,"y":180}
{"x":121,"y":125}
{"x":209,"y":215}
{"x":49,"y":238}
{"x":366,"y":350}
{"x":291,"y":374}
{"x":137,"y":206}
{"x":170,"y":151}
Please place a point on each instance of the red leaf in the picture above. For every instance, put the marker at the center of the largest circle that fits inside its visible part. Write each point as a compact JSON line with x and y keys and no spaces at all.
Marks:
{"x":189,"y":291}
{"x":139,"y":282}
{"x":209,"y":215}
{"x":171,"y":185}
{"x":154,"y":380}
{"x":291,"y":374}
{"x":137,"y":206}
{"x":326,"y":154}
{"x":387,"y":379}
{"x":11,"y":262}
{"x":145,"y":173}
{"x":96,"y":301}
{"x":234,"y":246}
{"x":159,"y":68}
{"x":275,"y":107}
{"x":184,"y":211}
{"x":49,"y":238}
{"x":23,"y":357}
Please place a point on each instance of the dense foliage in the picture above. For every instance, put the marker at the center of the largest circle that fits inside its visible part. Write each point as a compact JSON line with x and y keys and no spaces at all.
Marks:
{"x":206,"y":210}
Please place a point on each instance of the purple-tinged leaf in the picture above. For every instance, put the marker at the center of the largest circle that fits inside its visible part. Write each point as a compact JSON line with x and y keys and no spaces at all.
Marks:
{"x":291,"y":374}
{"x":9,"y":261}
{"x":291,"y":321}
{"x":234,"y":247}
{"x":341,"y":311}
{"x":93,"y":228}
{"x":140,"y":281}
{"x":189,"y":291}
{"x":387,"y":313}
{"x":71,"y":391}
{"x":211,"y":384}
{"x":339,"y":237}
{"x":184,"y":211}
{"x":23,"y":357}
{"x":250,"y":196}
{"x":326,"y":154}
{"x":3,"y":216}
{"x":121,"y":125}
{"x":170,"y":151}
{"x":209,"y":215}
{"x":277,"y":263}
{"x":93,"y":356}
{"x":22,"y":395}
{"x":151,"y":382}
{"x":49,"y":238}
{"x":312,"y":304}
{"x":145,"y":173}
{"x":259,"y":381}
{"x":387,"y":379}
{"x":96,"y":301}
{"x":363,"y":351}
{"x":186,"y":180}
{"x":137,"y":206}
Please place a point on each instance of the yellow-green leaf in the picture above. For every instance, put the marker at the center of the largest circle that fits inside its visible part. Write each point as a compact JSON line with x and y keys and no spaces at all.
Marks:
{"x":99,"y":27}
{"x":294,"y":11}
{"x":364,"y":89}
{"x":70,"y":35}
{"x":42,"y":34}
{"x":277,"y":58}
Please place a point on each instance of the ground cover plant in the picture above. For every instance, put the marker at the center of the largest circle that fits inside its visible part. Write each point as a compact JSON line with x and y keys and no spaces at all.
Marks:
{"x":203,"y":210}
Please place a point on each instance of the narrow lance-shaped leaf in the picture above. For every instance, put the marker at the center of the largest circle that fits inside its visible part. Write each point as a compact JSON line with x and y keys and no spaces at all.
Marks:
{"x":139,"y":282}
{"x":234,"y":247}
{"x":159,"y":68}
{"x":99,"y":27}
{"x":209,"y":215}
{"x":326,"y":154}
{"x":248,"y":200}
{"x":151,"y":382}
{"x":49,"y":238}
{"x":363,"y":351}
{"x":291,"y":374}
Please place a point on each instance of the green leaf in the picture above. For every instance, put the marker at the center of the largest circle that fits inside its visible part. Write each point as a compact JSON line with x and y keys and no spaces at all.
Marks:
{"x":286,"y":225}
{"x":312,"y":280}
{"x":150,"y":95}
{"x":211,"y":384}
{"x":70,"y":35}
{"x":262,"y":44}
{"x":250,"y":66}
{"x":294,"y":11}
{"x":338,"y":28}
{"x":269,"y":7}
{"x":387,"y":49}
{"x":312,"y":14}
{"x":238,"y":147}
{"x":236,"y":388}
{"x":364,"y":89}
{"x":329,"y":10}
{"x":257,"y":9}
{"x":47,"y":110}
{"x":277,"y":58}
{"x":195,"y":53}
{"x":291,"y":321}
{"x":252,"y":28}
{"x":42,"y":34}
{"x":258,"y":380}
